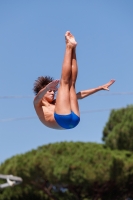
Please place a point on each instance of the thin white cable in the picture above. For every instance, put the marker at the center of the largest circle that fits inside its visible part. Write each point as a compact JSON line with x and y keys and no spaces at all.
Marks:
{"x":35,"y":117}
{"x":16,"y":97}
{"x":115,"y":93}
{"x":98,"y":110}
{"x":31,"y":96}
{"x":17,"y":119}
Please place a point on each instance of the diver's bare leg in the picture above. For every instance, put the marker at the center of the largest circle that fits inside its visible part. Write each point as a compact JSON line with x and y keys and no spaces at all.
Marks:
{"x":63,"y":96}
{"x":73,"y":96}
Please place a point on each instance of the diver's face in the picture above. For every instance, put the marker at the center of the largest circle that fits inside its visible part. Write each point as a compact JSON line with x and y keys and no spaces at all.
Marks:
{"x":49,"y":96}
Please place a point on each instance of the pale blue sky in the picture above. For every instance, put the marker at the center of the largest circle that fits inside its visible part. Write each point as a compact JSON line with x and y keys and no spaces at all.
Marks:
{"x":32,"y":44}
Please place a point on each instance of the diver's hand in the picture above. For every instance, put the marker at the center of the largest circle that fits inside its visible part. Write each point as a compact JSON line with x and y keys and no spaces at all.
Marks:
{"x":107,"y":85}
{"x":53,"y":85}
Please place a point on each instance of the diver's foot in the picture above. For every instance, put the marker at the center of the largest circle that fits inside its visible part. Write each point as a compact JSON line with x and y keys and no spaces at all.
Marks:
{"x":70,"y":40}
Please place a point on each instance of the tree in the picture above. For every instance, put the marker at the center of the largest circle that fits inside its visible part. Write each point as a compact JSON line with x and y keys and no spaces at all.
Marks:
{"x":118,"y":132}
{"x":71,"y":171}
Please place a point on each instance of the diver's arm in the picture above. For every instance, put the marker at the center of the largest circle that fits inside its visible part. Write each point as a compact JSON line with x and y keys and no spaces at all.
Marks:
{"x":39,"y":96}
{"x":85,"y":93}
{"x":51,"y":86}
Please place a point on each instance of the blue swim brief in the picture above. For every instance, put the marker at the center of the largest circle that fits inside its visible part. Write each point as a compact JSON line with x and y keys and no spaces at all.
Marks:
{"x":67,"y":121}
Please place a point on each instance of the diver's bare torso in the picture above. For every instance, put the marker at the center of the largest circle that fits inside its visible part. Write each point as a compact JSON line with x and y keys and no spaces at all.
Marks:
{"x":46,"y":115}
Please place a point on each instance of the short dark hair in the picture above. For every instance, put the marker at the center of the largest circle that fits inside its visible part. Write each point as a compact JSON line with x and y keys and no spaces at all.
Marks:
{"x":41,"y":82}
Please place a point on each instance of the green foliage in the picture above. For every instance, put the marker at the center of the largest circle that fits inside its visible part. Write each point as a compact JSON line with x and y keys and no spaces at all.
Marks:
{"x":118,"y":132}
{"x":84,"y":170}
